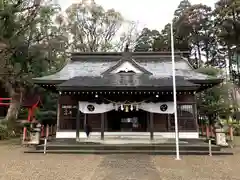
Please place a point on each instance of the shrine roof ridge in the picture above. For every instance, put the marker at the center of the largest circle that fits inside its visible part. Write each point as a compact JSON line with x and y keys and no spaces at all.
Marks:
{"x":114,"y":56}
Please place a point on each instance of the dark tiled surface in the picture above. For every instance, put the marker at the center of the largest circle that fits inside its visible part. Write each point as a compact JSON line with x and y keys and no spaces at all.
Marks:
{"x":126,"y":81}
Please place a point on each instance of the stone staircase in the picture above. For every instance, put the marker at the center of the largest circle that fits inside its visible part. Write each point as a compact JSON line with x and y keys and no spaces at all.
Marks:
{"x":126,"y":145}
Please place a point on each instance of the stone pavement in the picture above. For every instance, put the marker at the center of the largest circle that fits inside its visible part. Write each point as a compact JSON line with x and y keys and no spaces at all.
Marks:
{"x":126,"y":167}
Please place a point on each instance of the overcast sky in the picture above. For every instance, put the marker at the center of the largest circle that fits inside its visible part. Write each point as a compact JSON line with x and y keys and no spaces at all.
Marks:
{"x":153,"y":14}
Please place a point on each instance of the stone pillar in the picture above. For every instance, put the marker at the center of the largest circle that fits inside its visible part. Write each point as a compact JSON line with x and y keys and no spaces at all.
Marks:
{"x":221,"y":137}
{"x":102,"y":126}
{"x":78,"y":124}
{"x":151,"y":126}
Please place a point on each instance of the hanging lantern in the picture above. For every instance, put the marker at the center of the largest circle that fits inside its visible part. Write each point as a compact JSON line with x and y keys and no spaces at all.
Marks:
{"x":137,"y":107}
{"x":122,"y":108}
{"x":131,"y":108}
{"x":126,"y":109}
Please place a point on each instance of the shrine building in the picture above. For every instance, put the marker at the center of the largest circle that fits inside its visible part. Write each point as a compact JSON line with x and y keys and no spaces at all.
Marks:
{"x":128,"y":93}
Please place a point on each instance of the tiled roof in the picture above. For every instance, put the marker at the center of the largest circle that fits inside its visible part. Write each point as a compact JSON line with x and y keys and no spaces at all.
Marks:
{"x":87,"y":64}
{"x":125,"y":82}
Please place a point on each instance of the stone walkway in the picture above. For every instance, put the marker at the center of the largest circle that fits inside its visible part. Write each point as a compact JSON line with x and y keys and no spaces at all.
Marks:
{"x":126,"y":167}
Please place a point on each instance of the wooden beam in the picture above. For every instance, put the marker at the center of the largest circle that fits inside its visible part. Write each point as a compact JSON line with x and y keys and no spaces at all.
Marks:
{"x":151,"y":126}
{"x":102,"y":126}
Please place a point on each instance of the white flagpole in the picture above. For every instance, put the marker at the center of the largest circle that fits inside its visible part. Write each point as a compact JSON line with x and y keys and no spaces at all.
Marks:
{"x":174,"y":95}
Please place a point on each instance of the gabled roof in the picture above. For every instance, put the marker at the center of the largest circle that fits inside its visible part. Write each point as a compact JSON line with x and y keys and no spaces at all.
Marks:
{"x":155,"y":64}
{"x":127,"y":58}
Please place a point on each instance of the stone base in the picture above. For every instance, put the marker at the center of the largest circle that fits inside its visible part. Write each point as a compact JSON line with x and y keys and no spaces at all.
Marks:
{"x":221,"y":138}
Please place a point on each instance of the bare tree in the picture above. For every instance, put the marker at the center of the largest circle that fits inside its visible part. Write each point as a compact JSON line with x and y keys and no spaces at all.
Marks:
{"x":128,"y":35}
{"x":91,"y":27}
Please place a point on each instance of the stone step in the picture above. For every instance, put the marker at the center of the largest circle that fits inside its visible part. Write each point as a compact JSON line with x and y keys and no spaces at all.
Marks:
{"x":150,"y":152}
{"x":136,"y":147}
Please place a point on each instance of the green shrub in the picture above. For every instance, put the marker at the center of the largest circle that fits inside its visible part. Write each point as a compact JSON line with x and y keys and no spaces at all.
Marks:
{"x":236,"y":129}
{"x":6,"y":133}
{"x":9,"y":129}
{"x":3,"y":132}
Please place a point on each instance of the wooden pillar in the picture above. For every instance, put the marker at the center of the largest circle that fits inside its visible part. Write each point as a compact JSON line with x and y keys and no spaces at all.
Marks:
{"x":55,"y":129}
{"x":202,"y":129}
{"x":85,"y":121}
{"x":28,"y":120}
{"x":58,"y":116}
{"x":42,"y":131}
{"x":151,"y":126}
{"x":102,"y":126}
{"x":207,"y":131}
{"x":105,"y":121}
{"x":78,"y":124}
{"x":210,"y":131}
{"x":51,"y":130}
{"x":168,"y":122}
{"x":148,"y":121}
{"x":195,"y":115}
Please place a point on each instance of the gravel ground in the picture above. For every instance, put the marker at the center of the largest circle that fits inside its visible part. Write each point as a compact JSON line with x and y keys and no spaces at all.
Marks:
{"x":199,"y":167}
{"x":15,"y":165}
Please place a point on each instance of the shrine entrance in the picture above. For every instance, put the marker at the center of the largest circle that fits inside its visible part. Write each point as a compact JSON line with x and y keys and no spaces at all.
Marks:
{"x":132,"y":121}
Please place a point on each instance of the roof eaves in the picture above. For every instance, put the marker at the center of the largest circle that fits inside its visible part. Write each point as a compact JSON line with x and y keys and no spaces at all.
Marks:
{"x":127,"y":88}
{"x":207,"y":81}
{"x":47,"y":81}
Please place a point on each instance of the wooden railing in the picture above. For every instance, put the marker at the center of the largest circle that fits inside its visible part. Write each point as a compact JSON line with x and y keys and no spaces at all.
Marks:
{"x":5,"y":101}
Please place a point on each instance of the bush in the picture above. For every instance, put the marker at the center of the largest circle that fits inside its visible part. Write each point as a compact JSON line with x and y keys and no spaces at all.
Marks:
{"x":46,"y":117}
{"x":6,"y":133}
{"x":9,"y":129}
{"x":3,"y":132}
{"x":236,"y":131}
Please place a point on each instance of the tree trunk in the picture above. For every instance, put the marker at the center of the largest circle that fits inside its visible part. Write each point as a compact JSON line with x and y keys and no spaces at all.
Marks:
{"x":14,"y":105}
{"x":230,"y":63}
{"x":199,"y":55}
{"x":230,"y":127}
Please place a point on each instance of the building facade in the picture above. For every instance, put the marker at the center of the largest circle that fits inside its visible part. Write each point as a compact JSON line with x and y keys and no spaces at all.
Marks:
{"x":127,"y":93}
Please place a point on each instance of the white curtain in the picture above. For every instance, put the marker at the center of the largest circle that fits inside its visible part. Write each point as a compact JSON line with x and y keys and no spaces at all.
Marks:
{"x":94,"y":108}
{"x":161,"y":107}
